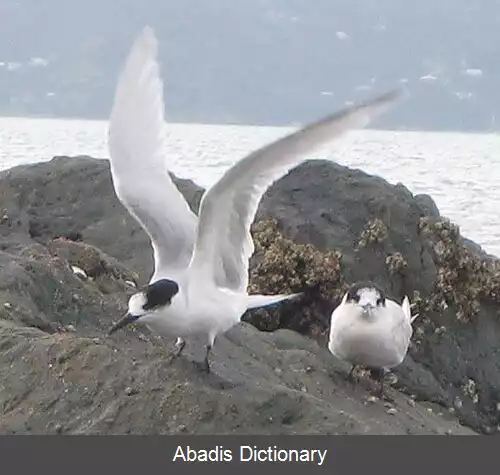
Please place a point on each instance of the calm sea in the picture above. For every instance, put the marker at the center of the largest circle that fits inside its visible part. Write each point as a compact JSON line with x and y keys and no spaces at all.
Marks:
{"x":460,"y":171}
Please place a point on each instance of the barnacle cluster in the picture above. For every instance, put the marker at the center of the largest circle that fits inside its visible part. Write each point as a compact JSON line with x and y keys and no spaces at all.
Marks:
{"x":283,"y":266}
{"x":375,"y":231}
{"x":396,"y":262}
{"x":464,"y":277}
{"x":469,"y":389}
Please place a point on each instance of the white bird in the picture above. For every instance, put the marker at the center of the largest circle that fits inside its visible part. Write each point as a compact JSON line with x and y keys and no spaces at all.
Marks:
{"x":199,"y":283}
{"x":368,"y":329}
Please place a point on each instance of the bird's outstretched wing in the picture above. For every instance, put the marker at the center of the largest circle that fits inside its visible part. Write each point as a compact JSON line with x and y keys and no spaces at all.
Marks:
{"x":224,"y":243}
{"x":138,"y":166}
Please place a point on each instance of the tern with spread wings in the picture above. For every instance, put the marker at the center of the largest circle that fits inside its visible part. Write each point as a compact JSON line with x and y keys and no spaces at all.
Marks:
{"x":200,"y":277}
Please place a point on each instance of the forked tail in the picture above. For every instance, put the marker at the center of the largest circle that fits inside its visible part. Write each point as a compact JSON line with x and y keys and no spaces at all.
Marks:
{"x":259,"y":301}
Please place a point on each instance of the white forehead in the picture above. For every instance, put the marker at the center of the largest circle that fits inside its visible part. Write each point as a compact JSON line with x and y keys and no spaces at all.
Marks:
{"x":369,"y":293}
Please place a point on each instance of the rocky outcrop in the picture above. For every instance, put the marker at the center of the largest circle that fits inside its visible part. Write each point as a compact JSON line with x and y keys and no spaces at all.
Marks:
{"x":263,"y":383}
{"x":327,"y":225}
{"x":385,"y":234}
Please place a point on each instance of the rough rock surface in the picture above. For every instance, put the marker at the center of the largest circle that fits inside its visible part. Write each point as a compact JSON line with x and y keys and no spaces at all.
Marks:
{"x":267,"y":383}
{"x":60,"y":374}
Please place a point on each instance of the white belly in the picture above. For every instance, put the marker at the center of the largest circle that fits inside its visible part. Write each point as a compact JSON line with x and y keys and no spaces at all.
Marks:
{"x":379,"y":343}
{"x":368,"y":349}
{"x":203,"y":317}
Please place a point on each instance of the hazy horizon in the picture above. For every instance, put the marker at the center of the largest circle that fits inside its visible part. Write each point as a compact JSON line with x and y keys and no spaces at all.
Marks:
{"x":264,"y":63}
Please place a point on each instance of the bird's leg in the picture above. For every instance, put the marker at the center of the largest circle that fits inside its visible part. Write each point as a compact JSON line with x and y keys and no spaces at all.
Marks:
{"x":206,"y":364}
{"x":379,"y":375}
{"x":350,"y":376}
{"x":180,"y":344}
{"x":381,"y":390}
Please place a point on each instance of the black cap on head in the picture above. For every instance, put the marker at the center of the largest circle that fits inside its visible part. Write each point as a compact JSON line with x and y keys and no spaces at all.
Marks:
{"x":160,"y":293}
{"x":353,"y":292}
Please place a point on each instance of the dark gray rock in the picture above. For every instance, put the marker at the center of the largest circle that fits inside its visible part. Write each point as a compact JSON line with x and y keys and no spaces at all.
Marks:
{"x":329,"y":205}
{"x":428,"y":204}
{"x":291,"y":383}
{"x":63,"y":197}
{"x":263,"y":383}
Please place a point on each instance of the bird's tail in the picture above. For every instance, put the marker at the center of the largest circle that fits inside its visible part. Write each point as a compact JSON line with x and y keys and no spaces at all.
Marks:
{"x":259,"y":301}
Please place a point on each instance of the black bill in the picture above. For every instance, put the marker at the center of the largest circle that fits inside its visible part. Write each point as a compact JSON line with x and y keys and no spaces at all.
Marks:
{"x":126,"y":320}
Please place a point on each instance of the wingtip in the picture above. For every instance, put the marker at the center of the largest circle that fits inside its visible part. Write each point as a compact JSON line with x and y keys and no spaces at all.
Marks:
{"x":407,"y":309}
{"x":361,"y":114}
{"x":406,"y":304}
{"x":394,"y":94}
{"x":146,"y":39}
{"x":142,"y":55}
{"x":293,"y":297}
{"x":387,"y":99}
{"x":148,"y":31}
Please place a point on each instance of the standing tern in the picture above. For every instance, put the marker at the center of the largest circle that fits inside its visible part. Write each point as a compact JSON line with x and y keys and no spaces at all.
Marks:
{"x":200,"y":277}
{"x":367,"y":329}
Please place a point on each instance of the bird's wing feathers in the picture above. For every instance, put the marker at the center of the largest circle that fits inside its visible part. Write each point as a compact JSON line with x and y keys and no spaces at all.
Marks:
{"x":224,"y":243}
{"x":406,"y":306}
{"x":138,"y":166}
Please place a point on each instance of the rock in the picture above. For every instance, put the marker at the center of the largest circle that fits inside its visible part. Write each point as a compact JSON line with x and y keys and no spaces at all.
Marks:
{"x":333,"y":207}
{"x":43,"y":292}
{"x":428,"y":205}
{"x":344,"y":223}
{"x":103,"y":269}
{"x":74,"y":199}
{"x":88,"y":388}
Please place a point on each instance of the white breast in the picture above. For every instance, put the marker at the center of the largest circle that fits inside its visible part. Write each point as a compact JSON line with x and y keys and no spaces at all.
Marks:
{"x":213,"y":313}
{"x":381,"y":341}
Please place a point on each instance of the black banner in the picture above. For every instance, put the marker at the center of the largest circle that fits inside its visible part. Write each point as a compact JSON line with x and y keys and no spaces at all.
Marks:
{"x":122,"y":455}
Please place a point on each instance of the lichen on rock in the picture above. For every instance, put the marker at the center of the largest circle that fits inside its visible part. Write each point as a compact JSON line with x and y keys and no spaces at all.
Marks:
{"x":396,"y":262}
{"x":284,"y":266}
{"x":464,"y":277}
{"x":375,"y":232}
